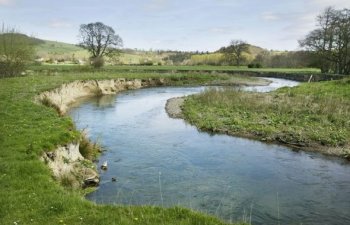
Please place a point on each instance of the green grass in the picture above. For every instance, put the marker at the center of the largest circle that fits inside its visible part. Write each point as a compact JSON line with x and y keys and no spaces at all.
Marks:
{"x":48,"y":49}
{"x":175,"y":68}
{"x":59,"y":50}
{"x":28,"y":193}
{"x":312,"y":116}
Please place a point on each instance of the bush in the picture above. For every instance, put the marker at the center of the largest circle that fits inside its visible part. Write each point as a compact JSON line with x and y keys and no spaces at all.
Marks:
{"x":97,"y":62}
{"x":16,"y":51}
{"x":146,"y":62}
{"x":254,"y":65}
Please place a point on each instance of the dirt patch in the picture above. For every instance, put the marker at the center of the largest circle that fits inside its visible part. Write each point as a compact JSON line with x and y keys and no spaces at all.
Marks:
{"x":173,"y":107}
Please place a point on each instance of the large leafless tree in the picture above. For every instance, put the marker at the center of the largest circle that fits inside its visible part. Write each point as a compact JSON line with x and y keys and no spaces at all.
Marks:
{"x":100,"y":40}
{"x":331,"y":41}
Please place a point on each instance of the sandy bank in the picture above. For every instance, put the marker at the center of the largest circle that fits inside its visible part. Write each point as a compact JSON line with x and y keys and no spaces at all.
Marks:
{"x":61,"y":98}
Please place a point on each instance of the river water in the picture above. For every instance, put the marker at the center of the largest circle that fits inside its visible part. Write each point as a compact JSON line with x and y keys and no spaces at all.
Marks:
{"x":162,"y":161}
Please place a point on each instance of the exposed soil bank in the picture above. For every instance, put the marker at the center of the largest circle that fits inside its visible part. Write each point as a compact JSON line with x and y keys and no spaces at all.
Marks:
{"x":61,"y":98}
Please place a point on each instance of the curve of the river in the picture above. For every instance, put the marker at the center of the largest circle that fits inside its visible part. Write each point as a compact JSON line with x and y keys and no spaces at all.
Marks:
{"x":162,"y":161}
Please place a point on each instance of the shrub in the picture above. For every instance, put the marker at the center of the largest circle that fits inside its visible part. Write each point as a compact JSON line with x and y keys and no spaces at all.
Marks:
{"x":254,"y":65}
{"x":97,"y":62}
{"x":16,"y":51}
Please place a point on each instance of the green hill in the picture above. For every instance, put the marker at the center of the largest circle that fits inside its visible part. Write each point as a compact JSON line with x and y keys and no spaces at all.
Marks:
{"x":65,"y":53}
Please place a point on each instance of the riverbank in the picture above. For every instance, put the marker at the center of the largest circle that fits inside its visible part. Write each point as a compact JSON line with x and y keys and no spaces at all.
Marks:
{"x":75,"y":170}
{"x":29,"y":194}
{"x":310,"y":117}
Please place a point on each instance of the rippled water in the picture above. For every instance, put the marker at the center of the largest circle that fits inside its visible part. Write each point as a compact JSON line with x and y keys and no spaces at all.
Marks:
{"x":162,"y":161}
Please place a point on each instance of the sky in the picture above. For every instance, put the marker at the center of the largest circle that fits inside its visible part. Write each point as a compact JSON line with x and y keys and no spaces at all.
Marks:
{"x":188,"y":25}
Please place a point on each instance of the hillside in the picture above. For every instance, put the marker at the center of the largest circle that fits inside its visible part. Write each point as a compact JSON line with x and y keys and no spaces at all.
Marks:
{"x":54,"y":50}
{"x":65,"y":53}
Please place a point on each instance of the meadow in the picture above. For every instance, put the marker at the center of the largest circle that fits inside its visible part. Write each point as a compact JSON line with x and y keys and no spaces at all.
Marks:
{"x":203,"y":68}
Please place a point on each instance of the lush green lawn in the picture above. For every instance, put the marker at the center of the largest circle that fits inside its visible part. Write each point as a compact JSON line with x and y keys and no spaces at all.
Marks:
{"x":174,"y":68}
{"x":28,"y":193}
{"x":313,"y":116}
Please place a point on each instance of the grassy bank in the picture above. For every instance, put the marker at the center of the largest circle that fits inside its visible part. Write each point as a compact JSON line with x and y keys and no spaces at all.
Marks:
{"x":312,"y":116}
{"x":28,"y":193}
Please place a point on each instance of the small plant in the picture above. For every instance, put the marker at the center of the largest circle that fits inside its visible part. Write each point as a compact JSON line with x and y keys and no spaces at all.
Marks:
{"x":88,"y":149}
{"x":97,"y":62}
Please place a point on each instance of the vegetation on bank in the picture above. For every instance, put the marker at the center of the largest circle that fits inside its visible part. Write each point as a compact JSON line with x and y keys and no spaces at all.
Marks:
{"x":51,"y":69}
{"x":29,"y":194}
{"x":313,"y":116}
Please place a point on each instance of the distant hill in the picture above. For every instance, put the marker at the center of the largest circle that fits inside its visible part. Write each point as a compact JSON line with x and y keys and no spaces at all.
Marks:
{"x":32,"y":40}
{"x":53,"y":51}
{"x":58,"y":51}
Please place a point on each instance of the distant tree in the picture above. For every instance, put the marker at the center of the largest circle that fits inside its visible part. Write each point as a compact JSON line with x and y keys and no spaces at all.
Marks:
{"x":331,"y":41}
{"x":16,"y":51}
{"x":234,"y":52}
{"x":100,"y":40}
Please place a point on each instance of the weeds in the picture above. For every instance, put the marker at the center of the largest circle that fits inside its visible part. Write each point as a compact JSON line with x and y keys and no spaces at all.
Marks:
{"x":310,"y":115}
{"x":88,"y":149}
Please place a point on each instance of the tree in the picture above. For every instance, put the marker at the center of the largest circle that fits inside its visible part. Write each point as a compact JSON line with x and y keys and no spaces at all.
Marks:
{"x":16,"y":51}
{"x":234,"y":52}
{"x":100,"y":40}
{"x":331,"y":41}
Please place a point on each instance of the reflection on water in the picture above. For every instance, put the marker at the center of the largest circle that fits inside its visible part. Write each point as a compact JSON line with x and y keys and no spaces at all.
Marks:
{"x":154,"y":157}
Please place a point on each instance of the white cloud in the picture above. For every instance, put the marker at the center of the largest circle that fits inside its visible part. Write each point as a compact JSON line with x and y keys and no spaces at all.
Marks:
{"x":270,"y":16}
{"x":60,"y":24}
{"x":325,"y":3}
{"x":6,"y":2}
{"x":156,"y":5}
{"x":224,"y":30}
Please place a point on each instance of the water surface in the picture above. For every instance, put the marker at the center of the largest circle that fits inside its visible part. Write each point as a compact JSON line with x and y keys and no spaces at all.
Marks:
{"x":162,"y":161}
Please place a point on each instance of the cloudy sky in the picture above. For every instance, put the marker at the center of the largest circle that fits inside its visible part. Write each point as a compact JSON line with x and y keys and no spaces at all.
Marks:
{"x":203,"y":25}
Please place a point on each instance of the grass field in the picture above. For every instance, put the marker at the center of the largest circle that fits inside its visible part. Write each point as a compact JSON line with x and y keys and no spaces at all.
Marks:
{"x":313,"y":116}
{"x":174,"y":68}
{"x":29,"y":194}
{"x":59,"y":50}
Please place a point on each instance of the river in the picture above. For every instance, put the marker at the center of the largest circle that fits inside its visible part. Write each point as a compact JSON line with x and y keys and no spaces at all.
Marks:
{"x":166,"y":162}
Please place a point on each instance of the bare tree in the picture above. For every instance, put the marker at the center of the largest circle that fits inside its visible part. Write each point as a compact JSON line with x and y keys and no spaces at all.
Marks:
{"x":234,"y":52}
{"x":16,"y":51}
{"x":100,"y":40}
{"x":331,"y":41}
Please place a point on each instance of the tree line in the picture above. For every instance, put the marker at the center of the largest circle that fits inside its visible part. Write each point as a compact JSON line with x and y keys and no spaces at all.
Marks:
{"x":330,"y":42}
